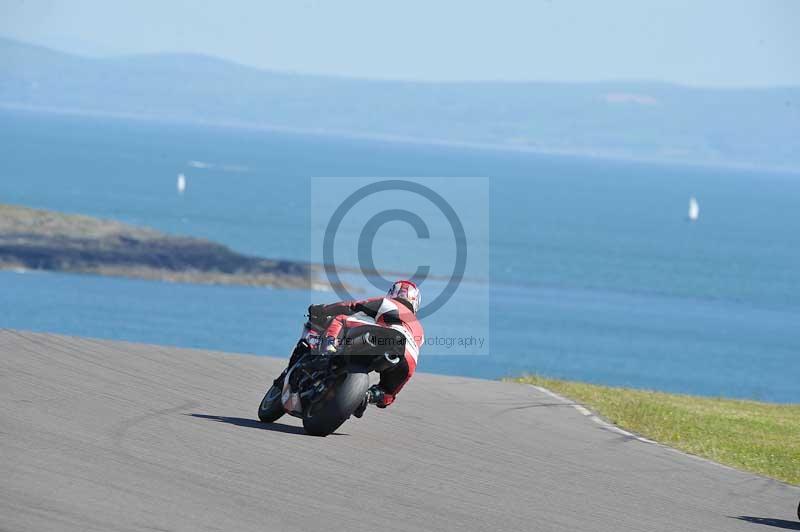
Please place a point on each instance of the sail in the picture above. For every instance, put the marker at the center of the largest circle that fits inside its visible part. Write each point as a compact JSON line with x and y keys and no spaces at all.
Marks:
{"x":181,"y":183}
{"x":694,"y":209}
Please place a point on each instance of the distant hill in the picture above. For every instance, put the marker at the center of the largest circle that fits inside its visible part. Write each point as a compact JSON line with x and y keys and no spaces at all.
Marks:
{"x":755,"y":127}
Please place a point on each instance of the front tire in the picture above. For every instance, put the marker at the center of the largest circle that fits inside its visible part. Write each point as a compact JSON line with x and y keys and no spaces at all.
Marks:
{"x":344,"y":399}
{"x":271,"y":407}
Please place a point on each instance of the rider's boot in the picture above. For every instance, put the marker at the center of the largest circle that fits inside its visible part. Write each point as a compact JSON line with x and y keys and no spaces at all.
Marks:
{"x":373,"y":396}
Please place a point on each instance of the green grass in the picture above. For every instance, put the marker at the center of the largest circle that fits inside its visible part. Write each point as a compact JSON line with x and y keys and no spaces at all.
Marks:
{"x":760,"y":437}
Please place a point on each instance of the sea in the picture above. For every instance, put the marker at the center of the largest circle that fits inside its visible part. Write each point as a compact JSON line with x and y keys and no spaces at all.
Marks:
{"x":592,"y":273}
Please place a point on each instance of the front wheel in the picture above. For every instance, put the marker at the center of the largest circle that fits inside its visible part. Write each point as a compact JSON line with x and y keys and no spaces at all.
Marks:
{"x":271,"y":407}
{"x":340,"y":404}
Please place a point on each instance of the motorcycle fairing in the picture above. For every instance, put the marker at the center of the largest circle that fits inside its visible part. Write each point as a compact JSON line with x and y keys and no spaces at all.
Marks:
{"x":291,"y":400}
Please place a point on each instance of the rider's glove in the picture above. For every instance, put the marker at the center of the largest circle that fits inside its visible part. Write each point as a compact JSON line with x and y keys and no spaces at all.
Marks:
{"x":329,"y":347}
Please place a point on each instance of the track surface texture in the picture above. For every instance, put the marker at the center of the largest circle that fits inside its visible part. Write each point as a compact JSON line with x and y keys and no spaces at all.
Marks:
{"x":107,"y":436}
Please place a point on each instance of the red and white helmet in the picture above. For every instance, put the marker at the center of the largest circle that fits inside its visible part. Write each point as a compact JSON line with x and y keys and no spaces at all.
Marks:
{"x":406,"y":290}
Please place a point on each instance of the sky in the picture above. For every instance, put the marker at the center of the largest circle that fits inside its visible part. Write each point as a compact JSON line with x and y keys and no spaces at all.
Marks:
{"x":701,"y":43}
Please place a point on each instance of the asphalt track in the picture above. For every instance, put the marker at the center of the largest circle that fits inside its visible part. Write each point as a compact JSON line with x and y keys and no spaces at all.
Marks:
{"x":100,"y":435}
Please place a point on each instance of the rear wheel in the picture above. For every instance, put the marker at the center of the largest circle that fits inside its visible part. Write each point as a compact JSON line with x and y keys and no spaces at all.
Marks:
{"x":271,"y":407}
{"x":343,"y":400}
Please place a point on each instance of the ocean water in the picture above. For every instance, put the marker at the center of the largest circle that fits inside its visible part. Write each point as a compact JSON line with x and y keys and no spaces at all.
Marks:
{"x":594,"y":272}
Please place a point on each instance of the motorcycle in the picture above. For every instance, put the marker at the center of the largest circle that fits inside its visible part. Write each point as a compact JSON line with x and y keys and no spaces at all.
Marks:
{"x":324,"y":390}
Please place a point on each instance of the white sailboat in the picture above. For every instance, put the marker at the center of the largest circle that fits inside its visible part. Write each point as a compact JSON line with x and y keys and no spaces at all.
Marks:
{"x":181,"y":185}
{"x":694,"y":209}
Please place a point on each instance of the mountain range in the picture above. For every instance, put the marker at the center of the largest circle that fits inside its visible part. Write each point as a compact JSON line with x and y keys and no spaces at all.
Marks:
{"x":754,"y":127}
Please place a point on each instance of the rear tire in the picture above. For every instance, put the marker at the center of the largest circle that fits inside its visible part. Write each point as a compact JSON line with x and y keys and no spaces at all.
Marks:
{"x":271,"y":407}
{"x":338,"y":406}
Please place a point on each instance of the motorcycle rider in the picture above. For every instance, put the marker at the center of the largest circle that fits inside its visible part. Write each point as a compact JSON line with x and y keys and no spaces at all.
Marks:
{"x":396,"y":311}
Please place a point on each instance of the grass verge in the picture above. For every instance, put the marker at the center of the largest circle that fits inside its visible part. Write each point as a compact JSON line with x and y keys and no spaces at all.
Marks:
{"x":760,"y":437}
